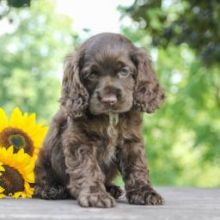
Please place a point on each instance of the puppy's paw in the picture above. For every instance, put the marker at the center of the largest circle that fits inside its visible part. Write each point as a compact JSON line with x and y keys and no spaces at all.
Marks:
{"x":51,"y":193}
{"x":144,"y":196}
{"x":101,"y":200}
{"x":115,"y":191}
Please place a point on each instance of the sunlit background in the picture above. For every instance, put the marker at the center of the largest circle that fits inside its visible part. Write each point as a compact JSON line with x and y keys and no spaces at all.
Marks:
{"x":183,"y":137}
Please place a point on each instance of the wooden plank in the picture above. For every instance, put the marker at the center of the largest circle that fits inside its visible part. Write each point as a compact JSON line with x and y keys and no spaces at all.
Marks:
{"x":181,"y":204}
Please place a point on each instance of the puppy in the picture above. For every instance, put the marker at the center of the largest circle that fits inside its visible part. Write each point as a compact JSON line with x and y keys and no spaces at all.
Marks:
{"x":96,"y":133}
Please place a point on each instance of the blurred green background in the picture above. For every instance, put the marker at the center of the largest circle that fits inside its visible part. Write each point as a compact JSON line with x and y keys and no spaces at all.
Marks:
{"x":183,"y":38}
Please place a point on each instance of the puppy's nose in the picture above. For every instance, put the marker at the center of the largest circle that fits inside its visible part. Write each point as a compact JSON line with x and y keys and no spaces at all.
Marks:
{"x":109,"y":99}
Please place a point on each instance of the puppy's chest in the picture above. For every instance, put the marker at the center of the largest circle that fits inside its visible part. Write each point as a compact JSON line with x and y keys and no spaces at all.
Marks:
{"x":107,"y":150}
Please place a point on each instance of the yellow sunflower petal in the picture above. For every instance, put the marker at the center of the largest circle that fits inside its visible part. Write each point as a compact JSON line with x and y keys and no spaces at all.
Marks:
{"x":2,"y":168}
{"x":3,"y":119}
{"x":30,"y":178}
{"x":29,"y":190}
{"x":16,"y":115}
{"x":32,"y":119}
{"x":1,"y":192}
{"x":10,"y":150}
{"x":17,"y":195}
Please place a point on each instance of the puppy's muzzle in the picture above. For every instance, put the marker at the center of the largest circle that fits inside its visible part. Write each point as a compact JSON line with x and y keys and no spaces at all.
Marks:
{"x":109,"y":96}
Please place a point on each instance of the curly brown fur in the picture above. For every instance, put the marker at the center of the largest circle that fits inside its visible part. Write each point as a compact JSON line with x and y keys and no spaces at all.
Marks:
{"x":107,"y":83}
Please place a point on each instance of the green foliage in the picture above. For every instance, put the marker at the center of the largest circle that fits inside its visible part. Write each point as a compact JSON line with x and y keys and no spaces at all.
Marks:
{"x":30,"y":58}
{"x":18,"y":3}
{"x":182,"y":138}
{"x":175,"y":22}
{"x":7,"y":5}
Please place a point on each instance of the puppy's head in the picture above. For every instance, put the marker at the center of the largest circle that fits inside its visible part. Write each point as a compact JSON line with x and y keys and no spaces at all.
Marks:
{"x":108,"y":74}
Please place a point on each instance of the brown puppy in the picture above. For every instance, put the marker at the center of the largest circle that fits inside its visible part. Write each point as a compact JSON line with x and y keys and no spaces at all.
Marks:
{"x":107,"y":83}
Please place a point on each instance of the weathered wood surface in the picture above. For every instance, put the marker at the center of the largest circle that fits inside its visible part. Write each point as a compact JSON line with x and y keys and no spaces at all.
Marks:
{"x":181,"y":204}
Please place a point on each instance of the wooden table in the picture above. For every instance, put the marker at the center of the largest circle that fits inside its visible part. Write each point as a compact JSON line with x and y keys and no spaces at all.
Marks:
{"x":181,"y":204}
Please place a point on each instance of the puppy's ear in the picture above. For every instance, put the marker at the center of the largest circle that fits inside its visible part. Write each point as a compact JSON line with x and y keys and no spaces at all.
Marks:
{"x":74,"y":96}
{"x":148,"y":94}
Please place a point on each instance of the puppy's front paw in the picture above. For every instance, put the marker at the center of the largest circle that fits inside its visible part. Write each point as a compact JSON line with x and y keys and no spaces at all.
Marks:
{"x":101,"y":200}
{"x":144,"y":196}
{"x":51,"y":192}
{"x":114,"y":190}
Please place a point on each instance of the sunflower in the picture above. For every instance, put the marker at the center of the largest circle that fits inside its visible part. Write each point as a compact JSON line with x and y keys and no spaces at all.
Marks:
{"x":21,"y":131}
{"x":16,"y":173}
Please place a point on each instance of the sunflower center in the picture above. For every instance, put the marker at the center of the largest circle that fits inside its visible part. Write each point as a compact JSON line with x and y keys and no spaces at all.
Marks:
{"x":17,"y":138}
{"x":17,"y":141}
{"x":11,"y":180}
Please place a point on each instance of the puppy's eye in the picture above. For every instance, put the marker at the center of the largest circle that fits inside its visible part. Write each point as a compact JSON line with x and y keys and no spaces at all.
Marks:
{"x":93,"y":75}
{"x":124,"y":72}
